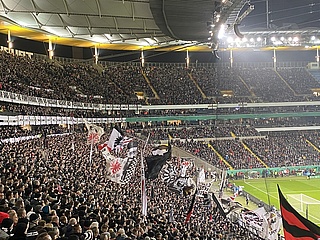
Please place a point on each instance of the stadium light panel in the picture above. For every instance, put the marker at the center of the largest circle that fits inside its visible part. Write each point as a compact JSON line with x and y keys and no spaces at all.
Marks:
{"x":221,"y":32}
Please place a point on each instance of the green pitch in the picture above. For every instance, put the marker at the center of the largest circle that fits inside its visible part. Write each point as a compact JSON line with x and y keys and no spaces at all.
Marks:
{"x":266,"y":191}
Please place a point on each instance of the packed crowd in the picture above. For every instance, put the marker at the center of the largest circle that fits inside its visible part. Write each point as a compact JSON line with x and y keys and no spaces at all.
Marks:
{"x":287,"y":148}
{"x":227,"y":129}
{"x":273,"y":149}
{"x":53,"y":191}
{"x":266,"y":85}
{"x":213,"y":80}
{"x":299,"y":80}
{"x":173,"y":85}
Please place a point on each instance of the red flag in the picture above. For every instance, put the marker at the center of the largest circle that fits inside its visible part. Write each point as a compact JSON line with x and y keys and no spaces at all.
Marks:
{"x":190,"y":211}
{"x":296,"y":226}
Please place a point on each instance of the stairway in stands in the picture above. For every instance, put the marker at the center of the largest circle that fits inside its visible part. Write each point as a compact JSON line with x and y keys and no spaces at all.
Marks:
{"x":315,"y":73}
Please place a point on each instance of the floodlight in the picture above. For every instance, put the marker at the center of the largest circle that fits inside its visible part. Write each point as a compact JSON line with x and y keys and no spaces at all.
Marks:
{"x":221,"y":32}
{"x":230,"y":40}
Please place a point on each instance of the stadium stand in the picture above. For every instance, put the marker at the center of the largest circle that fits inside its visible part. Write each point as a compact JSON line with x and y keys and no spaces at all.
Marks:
{"x":50,"y":169}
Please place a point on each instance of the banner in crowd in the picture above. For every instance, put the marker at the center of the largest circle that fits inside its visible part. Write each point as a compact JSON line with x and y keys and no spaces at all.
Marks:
{"x":94,"y":133}
{"x":178,"y":180}
{"x":121,"y":170}
{"x":156,"y":161}
{"x":117,"y":141}
{"x":264,"y":224}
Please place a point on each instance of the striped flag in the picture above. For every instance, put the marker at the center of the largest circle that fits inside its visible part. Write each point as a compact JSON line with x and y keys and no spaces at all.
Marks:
{"x":296,"y":226}
{"x":190,"y":211}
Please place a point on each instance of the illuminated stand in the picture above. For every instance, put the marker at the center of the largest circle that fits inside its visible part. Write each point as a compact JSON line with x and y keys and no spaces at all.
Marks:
{"x":318,"y":57}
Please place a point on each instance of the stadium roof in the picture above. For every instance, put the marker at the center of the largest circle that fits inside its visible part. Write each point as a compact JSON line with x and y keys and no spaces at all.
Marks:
{"x":136,"y":24}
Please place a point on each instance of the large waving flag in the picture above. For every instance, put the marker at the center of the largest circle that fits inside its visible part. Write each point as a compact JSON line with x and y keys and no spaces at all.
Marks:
{"x":156,"y":161}
{"x":117,"y":140}
{"x":94,"y":133}
{"x":121,"y":170}
{"x":296,"y":226}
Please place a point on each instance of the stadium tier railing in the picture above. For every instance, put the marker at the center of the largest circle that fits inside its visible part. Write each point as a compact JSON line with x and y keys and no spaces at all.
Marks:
{"x":270,"y":64}
{"x":46,"y":102}
{"x":309,"y":170}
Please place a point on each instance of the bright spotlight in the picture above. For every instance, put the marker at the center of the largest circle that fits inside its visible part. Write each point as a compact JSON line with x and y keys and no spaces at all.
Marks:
{"x":290,"y":38}
{"x":295,"y":39}
{"x":313,"y":38}
{"x":221,"y":32}
{"x":251,"y":40}
{"x":229,"y":39}
{"x":273,"y":39}
{"x":259,"y":39}
{"x":282,"y":38}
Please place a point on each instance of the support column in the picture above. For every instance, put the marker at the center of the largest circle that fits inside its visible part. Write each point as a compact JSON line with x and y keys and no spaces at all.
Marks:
{"x":10,"y":43}
{"x":274,"y":59}
{"x":231,"y":58}
{"x":50,"y":50}
{"x":267,"y":13}
{"x":188,"y":59}
{"x":317,"y":56}
{"x":96,"y":54}
{"x":142,"y":59}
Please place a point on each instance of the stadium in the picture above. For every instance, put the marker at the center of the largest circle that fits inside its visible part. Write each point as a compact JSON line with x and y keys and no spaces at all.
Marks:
{"x":154,"y":119}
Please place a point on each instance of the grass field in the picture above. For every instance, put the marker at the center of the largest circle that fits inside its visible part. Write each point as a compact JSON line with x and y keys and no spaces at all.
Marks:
{"x":266,"y":190}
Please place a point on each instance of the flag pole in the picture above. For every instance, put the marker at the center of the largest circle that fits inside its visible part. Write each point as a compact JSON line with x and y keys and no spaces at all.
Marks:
{"x":265,"y":182}
{"x":90,"y":156}
{"x":143,"y":182}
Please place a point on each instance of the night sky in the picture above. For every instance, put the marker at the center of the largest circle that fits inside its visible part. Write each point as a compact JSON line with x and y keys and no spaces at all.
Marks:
{"x":283,"y":14}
